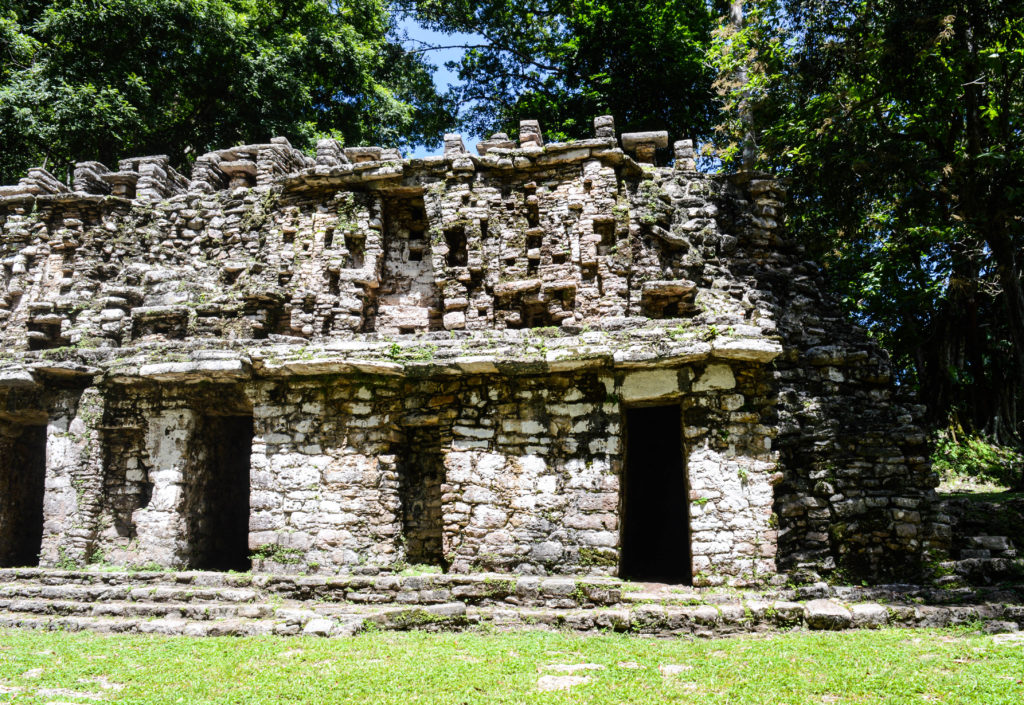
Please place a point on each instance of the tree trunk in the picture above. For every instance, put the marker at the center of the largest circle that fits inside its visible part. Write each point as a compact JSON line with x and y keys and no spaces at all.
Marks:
{"x":749,"y":157}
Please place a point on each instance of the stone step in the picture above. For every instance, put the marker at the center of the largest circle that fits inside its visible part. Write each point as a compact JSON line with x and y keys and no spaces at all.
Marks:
{"x":122,"y":625}
{"x":191,"y":611}
{"x":991,"y":543}
{"x":990,"y":571}
{"x":287,"y":621}
{"x":125,"y":577}
{"x":434,"y":588}
{"x":107,"y":593}
{"x":676,"y":596}
{"x":649,"y":619}
{"x":707,"y":621}
{"x":504,"y":592}
{"x":986,"y":546}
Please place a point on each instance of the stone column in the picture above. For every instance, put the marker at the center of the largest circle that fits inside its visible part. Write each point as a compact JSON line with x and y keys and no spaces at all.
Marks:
{"x":73,"y":495}
{"x":161,"y":525}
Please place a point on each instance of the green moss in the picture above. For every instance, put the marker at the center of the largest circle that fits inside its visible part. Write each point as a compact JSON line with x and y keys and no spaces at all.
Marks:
{"x":257,"y":216}
{"x":498,"y":588}
{"x":417,"y":619}
{"x":597,"y":557}
{"x":277,"y":554}
{"x":414,"y":353}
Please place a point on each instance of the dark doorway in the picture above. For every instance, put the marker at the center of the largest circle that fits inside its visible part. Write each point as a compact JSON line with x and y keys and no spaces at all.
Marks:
{"x":22,"y":482}
{"x":218,"y":502}
{"x":420,"y":476}
{"x":655,"y":516}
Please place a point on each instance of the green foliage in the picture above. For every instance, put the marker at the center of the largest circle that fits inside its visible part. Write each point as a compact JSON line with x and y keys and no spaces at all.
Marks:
{"x":415,"y":353}
{"x":86,"y":80}
{"x":975,"y":457}
{"x":64,"y":561}
{"x":598,"y":557}
{"x":566,"y":61}
{"x":277,"y":553}
{"x":899,"y":126}
{"x":149,"y":567}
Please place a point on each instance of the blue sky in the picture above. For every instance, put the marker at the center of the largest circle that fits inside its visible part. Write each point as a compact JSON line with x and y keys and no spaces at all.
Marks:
{"x":443,"y":78}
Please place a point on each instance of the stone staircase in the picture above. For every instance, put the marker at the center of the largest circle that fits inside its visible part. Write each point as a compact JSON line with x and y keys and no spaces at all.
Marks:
{"x":985,"y":532}
{"x":985,"y":560}
{"x":242,"y":604}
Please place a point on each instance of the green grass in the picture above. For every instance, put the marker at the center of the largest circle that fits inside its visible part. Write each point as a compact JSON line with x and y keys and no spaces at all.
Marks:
{"x":975,"y":488}
{"x":888,"y":666}
{"x":982,"y":495}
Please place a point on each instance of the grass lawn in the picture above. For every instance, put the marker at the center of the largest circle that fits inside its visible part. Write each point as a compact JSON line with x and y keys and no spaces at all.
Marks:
{"x":888,"y":666}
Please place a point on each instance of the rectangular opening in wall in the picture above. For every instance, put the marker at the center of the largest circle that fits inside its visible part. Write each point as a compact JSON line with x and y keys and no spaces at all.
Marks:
{"x":217,"y":503}
{"x":408,"y":299}
{"x":22,"y":481}
{"x":655,"y":509}
{"x":455,"y":238}
{"x":421,"y":473}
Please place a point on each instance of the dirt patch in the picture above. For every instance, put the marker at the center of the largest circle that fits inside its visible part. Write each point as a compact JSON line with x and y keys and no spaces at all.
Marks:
{"x":549,"y":683}
{"x":572,"y":667}
{"x":673,"y":669}
{"x":67,"y":693}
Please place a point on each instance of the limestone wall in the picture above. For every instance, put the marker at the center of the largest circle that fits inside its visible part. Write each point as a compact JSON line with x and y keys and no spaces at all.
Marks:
{"x":432,"y":360}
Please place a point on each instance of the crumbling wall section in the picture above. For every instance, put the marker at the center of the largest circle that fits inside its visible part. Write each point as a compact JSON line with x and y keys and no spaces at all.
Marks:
{"x":73,"y":496}
{"x":172,"y":491}
{"x":856,"y":497}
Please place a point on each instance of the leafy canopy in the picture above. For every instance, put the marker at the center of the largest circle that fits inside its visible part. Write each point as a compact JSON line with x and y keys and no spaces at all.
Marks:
{"x":901,"y":129}
{"x":566,"y":61}
{"x":101,"y":80}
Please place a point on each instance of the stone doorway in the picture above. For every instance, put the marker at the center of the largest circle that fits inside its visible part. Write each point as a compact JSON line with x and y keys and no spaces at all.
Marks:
{"x":22,"y":483}
{"x":421,"y":473}
{"x":655,"y":538}
{"x":217,"y":498}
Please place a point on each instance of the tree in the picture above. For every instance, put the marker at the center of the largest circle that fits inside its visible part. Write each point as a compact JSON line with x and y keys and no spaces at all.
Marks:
{"x":566,"y":61}
{"x":101,"y":80}
{"x":899,"y":127}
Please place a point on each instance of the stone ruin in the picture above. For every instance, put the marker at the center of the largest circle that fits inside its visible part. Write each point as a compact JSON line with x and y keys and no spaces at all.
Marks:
{"x":540,"y":359}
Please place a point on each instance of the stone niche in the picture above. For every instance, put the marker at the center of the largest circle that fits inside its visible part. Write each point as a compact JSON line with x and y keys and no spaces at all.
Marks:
{"x":408,"y":299}
{"x":421,"y":476}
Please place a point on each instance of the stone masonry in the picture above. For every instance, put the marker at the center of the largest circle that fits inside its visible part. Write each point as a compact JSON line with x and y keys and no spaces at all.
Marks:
{"x":352,"y":362}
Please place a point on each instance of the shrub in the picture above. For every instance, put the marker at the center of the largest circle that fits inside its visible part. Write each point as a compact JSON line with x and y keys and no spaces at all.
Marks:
{"x":977,"y":458}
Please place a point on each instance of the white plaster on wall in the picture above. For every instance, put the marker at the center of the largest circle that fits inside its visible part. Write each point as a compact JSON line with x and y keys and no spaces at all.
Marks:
{"x":715,"y":377}
{"x":649,"y":384}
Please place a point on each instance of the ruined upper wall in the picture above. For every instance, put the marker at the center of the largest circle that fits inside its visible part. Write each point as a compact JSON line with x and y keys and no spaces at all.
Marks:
{"x":265,"y":242}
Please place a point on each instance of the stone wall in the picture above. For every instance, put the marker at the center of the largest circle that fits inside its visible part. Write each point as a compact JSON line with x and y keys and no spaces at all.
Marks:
{"x":353,"y":362}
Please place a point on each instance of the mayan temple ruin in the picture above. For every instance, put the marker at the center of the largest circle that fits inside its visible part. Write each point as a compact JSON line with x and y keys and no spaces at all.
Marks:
{"x":542,"y":359}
